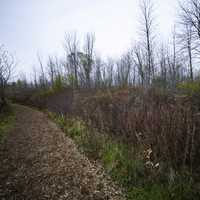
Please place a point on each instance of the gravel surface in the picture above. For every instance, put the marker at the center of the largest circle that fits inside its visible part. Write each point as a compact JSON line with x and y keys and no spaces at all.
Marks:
{"x":37,"y":161}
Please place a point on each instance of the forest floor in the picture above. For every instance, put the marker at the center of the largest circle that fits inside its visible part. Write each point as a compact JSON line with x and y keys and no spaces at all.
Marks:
{"x":37,"y":161}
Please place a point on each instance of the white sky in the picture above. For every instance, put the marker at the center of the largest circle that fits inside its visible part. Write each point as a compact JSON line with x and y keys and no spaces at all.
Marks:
{"x":32,"y":26}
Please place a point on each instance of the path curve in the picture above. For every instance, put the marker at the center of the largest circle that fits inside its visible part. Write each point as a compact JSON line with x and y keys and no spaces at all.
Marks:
{"x":38,"y":162}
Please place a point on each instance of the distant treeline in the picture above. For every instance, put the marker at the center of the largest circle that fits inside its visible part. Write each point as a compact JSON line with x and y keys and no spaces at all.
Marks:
{"x":149,"y":61}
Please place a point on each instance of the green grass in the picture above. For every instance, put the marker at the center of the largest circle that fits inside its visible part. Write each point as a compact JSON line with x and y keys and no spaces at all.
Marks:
{"x":7,"y":119}
{"x":125,"y":164}
{"x":190,"y":88}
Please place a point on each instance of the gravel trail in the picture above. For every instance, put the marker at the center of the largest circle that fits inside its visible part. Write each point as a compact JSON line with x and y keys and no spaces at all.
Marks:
{"x":38,"y":162}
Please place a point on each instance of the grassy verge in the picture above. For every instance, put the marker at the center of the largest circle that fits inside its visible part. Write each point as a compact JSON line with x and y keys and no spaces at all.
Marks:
{"x":7,"y":118}
{"x":126,"y":164}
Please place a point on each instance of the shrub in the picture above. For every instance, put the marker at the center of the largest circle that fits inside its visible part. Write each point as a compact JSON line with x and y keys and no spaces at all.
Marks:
{"x":152,"y":118}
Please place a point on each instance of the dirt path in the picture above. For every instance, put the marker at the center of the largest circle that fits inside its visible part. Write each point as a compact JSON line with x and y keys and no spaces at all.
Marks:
{"x":37,"y":161}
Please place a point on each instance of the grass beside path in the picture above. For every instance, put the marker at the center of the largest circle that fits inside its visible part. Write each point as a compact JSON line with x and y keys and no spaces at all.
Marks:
{"x":124,"y":164}
{"x":7,"y":119}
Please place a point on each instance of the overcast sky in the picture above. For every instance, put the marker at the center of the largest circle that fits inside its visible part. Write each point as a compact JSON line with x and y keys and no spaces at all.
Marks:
{"x":29,"y":27}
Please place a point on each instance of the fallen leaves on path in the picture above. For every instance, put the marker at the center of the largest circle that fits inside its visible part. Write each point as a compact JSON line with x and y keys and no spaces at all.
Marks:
{"x":37,"y":161}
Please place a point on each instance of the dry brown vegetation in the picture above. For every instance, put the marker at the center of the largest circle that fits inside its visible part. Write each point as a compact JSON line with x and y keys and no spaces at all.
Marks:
{"x":155,"y":119}
{"x":155,"y":127}
{"x":166,"y":123}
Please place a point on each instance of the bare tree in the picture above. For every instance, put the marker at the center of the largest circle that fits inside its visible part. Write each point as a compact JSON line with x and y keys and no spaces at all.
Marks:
{"x":139,"y":60}
{"x":106,"y":72}
{"x":54,"y":68}
{"x":7,"y":64}
{"x":71,"y":46}
{"x":34,"y":74}
{"x":189,"y":50}
{"x":42,"y":77}
{"x":191,"y":15}
{"x":110,"y":72}
{"x":147,"y":22}
{"x":187,"y":46}
{"x":174,"y":60}
{"x":163,"y":64}
{"x":190,"y":36}
{"x":123,"y":69}
{"x":98,"y":72}
{"x":87,"y":58}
